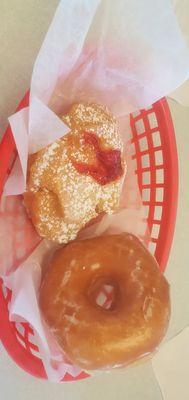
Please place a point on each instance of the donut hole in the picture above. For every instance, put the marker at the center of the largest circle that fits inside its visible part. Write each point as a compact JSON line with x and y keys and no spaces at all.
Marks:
{"x":105,"y":298}
{"x":104,"y":293}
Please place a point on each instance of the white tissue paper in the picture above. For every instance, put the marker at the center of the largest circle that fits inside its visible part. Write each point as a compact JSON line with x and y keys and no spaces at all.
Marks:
{"x":124,"y":54}
{"x":24,"y":284}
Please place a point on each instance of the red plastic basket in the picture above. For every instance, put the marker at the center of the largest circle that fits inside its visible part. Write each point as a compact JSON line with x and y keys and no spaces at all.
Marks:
{"x":155,"y":158}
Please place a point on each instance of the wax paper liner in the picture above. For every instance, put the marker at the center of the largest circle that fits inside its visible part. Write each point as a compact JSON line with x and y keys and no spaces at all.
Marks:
{"x":24,"y":284}
{"x":124,"y":54}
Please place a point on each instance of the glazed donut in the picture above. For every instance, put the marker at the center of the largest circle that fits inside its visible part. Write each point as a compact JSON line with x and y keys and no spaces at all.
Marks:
{"x":103,"y":335}
{"x":78,"y":177}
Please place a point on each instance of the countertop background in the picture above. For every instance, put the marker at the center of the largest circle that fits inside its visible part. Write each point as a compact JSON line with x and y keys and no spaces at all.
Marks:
{"x":23,"y":25}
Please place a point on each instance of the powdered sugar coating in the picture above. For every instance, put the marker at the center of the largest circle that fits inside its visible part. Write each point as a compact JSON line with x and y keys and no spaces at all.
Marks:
{"x":60,"y":200}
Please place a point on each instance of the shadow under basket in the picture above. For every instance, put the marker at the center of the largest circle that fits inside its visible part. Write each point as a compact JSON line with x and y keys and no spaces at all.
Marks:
{"x":154,"y":155}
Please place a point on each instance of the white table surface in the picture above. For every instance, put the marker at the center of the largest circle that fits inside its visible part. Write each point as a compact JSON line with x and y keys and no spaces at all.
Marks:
{"x":22,"y":28}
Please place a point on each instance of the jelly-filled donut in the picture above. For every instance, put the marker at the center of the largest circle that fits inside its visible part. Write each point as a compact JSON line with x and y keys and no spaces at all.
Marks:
{"x":77,"y":178}
{"x":106,"y":301}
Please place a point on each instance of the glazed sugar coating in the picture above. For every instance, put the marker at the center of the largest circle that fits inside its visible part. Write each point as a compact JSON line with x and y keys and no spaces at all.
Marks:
{"x":93,"y":335}
{"x":59,"y":199}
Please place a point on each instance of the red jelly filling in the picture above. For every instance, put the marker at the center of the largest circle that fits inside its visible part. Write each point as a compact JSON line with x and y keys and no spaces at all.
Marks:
{"x":108,"y":167}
